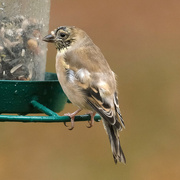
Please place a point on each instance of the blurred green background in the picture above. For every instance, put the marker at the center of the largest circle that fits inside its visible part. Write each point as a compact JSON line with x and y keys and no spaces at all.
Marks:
{"x":141,"y":41}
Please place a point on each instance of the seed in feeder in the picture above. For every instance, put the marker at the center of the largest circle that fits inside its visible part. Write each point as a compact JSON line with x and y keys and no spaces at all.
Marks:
{"x":9,"y":32}
{"x":20,"y":72}
{"x":25,"y":23}
{"x":33,"y":21}
{"x":23,"y":52}
{"x":2,"y":32}
{"x":32,"y":44}
{"x":19,"y":32}
{"x":15,"y":68}
{"x":1,"y":69}
{"x":36,"y":34}
{"x":2,"y":57}
{"x":1,"y":48}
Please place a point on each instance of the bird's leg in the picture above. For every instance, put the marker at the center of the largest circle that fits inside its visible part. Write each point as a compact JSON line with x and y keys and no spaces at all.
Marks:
{"x":91,"y":122}
{"x":72,"y":116}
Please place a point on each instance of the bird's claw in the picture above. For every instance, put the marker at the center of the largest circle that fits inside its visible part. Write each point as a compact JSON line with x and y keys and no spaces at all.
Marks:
{"x":72,"y":121}
{"x":72,"y":125}
{"x":90,"y":124}
{"x":65,"y":124}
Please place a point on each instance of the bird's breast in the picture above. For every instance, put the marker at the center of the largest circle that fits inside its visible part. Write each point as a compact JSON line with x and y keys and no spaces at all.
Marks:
{"x":70,"y":87}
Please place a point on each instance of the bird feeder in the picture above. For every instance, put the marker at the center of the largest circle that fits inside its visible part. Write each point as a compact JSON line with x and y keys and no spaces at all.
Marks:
{"x":25,"y":88}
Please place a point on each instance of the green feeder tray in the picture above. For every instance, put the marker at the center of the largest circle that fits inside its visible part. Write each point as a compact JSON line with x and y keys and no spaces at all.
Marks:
{"x":25,"y":97}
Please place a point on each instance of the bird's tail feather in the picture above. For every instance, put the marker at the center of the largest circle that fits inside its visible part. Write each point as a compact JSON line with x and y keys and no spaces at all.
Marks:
{"x":113,"y":134}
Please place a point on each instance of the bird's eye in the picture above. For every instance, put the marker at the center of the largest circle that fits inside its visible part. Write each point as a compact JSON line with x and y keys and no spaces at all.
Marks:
{"x":62,"y":34}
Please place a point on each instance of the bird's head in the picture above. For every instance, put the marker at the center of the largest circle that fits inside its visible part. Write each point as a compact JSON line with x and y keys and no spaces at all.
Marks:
{"x":63,"y":36}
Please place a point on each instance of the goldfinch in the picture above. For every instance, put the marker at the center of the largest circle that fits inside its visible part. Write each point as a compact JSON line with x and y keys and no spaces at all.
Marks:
{"x":88,"y":81}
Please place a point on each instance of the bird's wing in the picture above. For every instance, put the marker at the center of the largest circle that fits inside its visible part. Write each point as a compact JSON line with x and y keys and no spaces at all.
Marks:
{"x":98,"y":94}
{"x":117,"y":109}
{"x":103,"y":106}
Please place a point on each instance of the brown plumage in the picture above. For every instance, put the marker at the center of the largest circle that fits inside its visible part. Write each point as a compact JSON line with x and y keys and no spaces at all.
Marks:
{"x":88,"y":81}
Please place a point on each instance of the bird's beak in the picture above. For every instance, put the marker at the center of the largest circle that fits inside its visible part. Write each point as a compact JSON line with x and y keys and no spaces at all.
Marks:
{"x":49,"y":38}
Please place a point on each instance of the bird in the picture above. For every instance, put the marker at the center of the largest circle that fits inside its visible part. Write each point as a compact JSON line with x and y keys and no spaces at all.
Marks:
{"x":88,"y":81}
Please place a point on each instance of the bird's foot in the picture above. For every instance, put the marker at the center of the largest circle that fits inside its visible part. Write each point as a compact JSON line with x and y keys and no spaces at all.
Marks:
{"x":72,"y":116}
{"x":91,"y":122}
{"x":72,"y":121}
